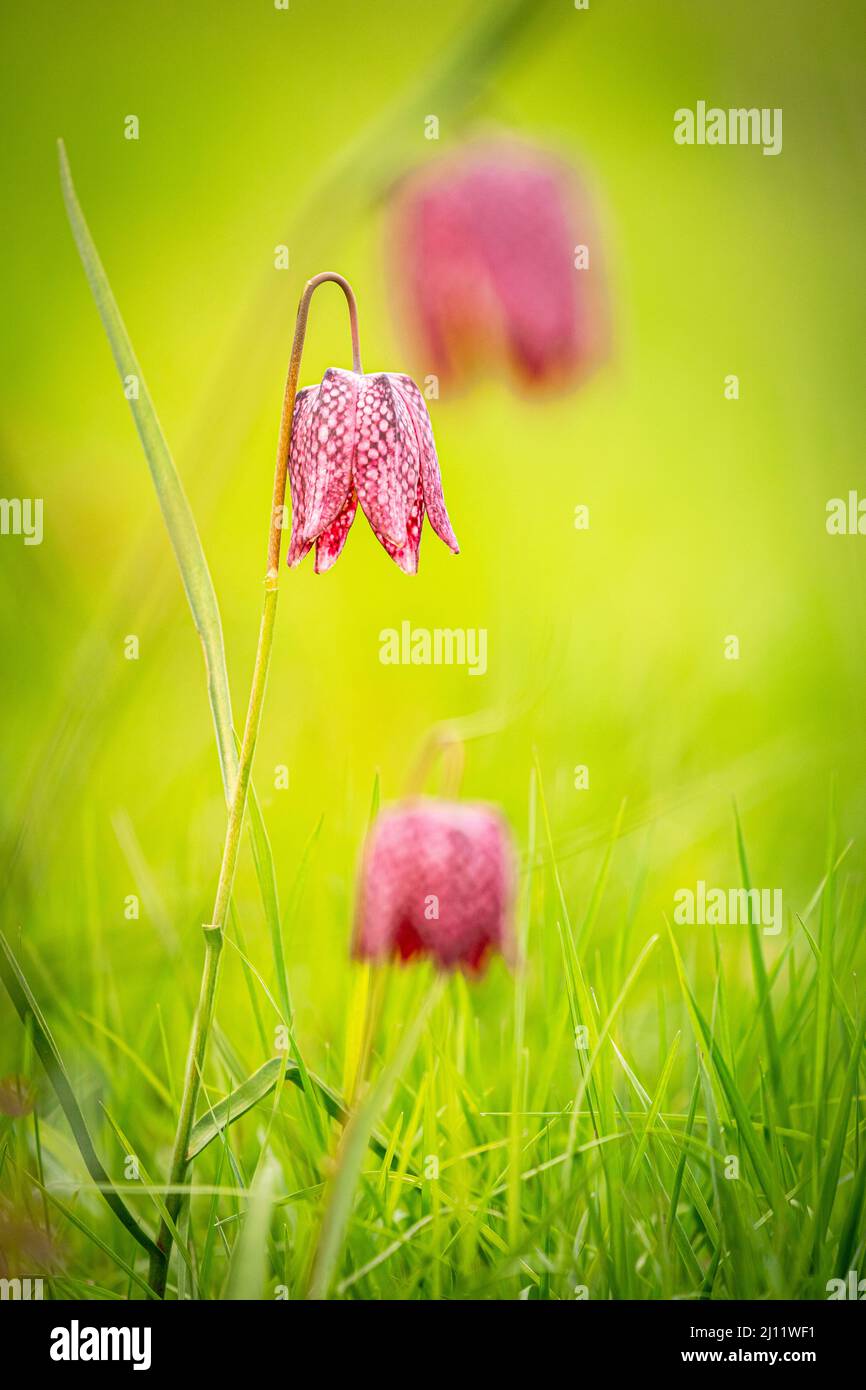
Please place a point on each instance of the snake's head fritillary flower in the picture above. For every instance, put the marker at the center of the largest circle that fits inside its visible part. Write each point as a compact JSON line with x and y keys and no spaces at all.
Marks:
{"x":486,"y":243}
{"x":364,"y":439}
{"x":437,"y":880}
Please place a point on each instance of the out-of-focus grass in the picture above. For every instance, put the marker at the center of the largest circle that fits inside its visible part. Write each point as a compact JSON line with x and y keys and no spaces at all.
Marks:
{"x":512,"y":1163}
{"x":606,"y":648}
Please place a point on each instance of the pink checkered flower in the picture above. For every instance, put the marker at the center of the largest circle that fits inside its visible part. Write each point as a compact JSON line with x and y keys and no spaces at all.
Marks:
{"x":436,"y":880}
{"x":486,"y":248}
{"x":364,"y":439}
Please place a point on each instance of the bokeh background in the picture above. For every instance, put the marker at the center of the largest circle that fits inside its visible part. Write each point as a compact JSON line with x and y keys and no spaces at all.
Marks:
{"x":606,"y":647}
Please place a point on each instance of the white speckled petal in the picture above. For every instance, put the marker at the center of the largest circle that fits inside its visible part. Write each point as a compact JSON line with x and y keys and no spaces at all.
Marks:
{"x":387,"y":458}
{"x":331,"y":445}
{"x":434,"y":500}
{"x":330,"y":543}
{"x":406,"y":555}
{"x":299,"y":481}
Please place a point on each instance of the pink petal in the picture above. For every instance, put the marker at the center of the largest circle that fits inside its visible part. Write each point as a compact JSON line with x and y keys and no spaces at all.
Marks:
{"x":431,"y":480}
{"x":441,"y":272}
{"x":486,"y":243}
{"x":333,"y":538}
{"x":299,"y":471}
{"x":437,"y":878}
{"x":332,"y":432}
{"x":406,"y":555}
{"x":530,"y":261}
{"x":385,"y":471}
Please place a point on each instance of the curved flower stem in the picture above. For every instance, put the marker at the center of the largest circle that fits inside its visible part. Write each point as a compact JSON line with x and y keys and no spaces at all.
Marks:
{"x":213,"y":931}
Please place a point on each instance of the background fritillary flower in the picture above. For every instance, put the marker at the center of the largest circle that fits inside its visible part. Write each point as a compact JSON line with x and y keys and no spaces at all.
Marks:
{"x":497,"y":266}
{"x":437,"y":880}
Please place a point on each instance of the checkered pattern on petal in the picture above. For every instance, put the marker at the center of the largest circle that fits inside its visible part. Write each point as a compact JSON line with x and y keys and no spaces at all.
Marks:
{"x":437,"y":880}
{"x":330,"y":543}
{"x":434,"y":499}
{"x":331,"y":444}
{"x":406,"y":555}
{"x":299,"y":471}
{"x":387,"y":459}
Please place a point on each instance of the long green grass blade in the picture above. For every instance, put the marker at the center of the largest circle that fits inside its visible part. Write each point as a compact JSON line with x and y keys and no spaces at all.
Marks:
{"x":75,"y":1220}
{"x":826,"y":937}
{"x":256,"y":1088}
{"x":732,"y":1094}
{"x":760,"y":972}
{"x":250,"y":1255}
{"x":193,"y":566}
{"x":176,"y":510}
{"x":355,"y":1141}
{"x":31,"y":1016}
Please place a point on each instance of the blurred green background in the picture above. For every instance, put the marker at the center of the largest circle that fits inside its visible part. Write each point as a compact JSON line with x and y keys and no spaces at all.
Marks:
{"x":606,"y":647}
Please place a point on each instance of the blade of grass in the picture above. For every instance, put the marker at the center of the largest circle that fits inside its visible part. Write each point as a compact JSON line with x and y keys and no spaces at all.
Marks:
{"x":732,"y":1094}
{"x":826,"y":933}
{"x":256,"y":1088}
{"x":760,"y":972}
{"x":75,"y":1220}
{"x":182,"y":531}
{"x":249,"y":1257}
{"x":31,"y":1016}
{"x":176,"y":510}
{"x":355,"y":1141}
{"x":653,"y":1111}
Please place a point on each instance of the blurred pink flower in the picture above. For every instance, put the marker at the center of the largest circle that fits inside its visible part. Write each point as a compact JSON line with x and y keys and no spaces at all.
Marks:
{"x":485,"y":242}
{"x":368,"y":439}
{"x":437,"y":880}
{"x":16,"y":1096}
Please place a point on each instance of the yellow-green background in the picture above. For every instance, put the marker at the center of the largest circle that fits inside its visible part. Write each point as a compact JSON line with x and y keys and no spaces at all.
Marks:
{"x":605,"y":647}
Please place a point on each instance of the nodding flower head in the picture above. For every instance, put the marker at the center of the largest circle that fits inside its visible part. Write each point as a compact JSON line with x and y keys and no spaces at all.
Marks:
{"x":437,"y":880}
{"x":486,"y":242}
{"x":364,"y":439}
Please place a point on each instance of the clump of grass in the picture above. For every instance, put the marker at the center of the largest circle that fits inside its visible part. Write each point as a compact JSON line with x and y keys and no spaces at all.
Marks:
{"x":656,"y":1163}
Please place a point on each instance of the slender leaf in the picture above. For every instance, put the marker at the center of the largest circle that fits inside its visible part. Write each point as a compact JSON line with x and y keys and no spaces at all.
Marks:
{"x":176,"y":510}
{"x":31,"y":1016}
{"x":254,"y":1089}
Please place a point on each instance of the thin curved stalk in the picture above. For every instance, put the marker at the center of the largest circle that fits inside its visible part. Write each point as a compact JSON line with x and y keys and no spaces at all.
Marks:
{"x":213,"y":930}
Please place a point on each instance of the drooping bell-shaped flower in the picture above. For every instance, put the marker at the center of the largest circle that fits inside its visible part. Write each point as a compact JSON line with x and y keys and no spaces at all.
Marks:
{"x":436,"y":880}
{"x":365,"y":439}
{"x":495,"y":266}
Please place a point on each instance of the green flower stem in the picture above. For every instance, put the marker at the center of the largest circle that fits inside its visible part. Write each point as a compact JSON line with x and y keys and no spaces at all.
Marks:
{"x":214,"y":929}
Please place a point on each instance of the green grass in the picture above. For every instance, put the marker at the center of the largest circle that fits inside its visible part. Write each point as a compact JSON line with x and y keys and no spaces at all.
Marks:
{"x":558,"y":1170}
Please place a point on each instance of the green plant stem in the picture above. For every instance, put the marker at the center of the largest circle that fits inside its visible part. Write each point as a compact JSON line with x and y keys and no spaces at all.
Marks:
{"x":214,"y":929}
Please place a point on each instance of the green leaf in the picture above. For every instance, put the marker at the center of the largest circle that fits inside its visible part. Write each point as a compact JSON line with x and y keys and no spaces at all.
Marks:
{"x":176,"y":510}
{"x":31,"y":1016}
{"x":254,"y":1089}
{"x":739,"y":1109}
{"x":652,"y":1113}
{"x":836,"y":1145}
{"x":250,"y":1255}
{"x":190,"y":556}
{"x":761,"y":983}
{"x":75,"y":1220}
{"x":357,"y":1137}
